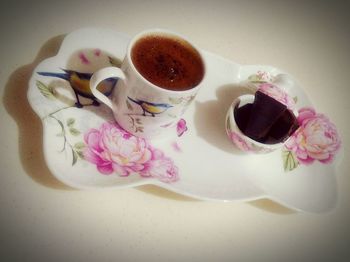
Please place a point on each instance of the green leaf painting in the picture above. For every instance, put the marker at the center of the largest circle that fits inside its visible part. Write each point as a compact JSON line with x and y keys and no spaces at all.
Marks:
{"x":79,"y":146}
{"x":80,"y":154}
{"x":295,"y":99}
{"x":67,"y":127}
{"x":172,"y":115}
{"x":129,"y":105}
{"x":45,"y":90}
{"x":290,"y":161}
{"x":75,"y":157}
{"x":176,"y":100}
{"x":189,"y":99}
{"x":139,"y":129}
{"x":255,"y":79}
{"x":70,"y":122}
{"x":74,"y":132}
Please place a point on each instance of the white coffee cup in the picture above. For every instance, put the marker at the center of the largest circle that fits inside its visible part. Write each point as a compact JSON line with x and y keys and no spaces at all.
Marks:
{"x":139,"y":106}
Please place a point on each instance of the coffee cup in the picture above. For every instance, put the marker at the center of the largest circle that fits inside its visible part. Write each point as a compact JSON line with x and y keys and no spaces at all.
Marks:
{"x":158,"y":79}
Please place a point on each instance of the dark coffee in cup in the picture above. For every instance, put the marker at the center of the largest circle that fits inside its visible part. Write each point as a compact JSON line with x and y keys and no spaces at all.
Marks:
{"x":168,"y":62}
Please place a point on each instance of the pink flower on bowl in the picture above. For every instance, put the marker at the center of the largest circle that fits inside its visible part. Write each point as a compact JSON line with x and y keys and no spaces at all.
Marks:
{"x":112,"y":149}
{"x":316,"y":139}
{"x":277,"y":93}
{"x":240,"y":142}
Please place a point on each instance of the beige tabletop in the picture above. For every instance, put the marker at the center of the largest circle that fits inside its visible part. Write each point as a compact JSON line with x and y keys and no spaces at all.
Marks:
{"x":43,"y":220}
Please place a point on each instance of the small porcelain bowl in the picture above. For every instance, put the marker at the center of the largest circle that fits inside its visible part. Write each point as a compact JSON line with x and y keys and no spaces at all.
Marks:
{"x":238,"y":138}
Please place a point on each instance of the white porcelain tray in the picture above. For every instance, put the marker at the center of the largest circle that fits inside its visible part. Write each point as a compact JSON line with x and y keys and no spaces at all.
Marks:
{"x":200,"y":163}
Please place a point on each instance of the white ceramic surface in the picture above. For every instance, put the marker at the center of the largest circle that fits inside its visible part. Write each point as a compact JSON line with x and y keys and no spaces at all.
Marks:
{"x":208,"y":167}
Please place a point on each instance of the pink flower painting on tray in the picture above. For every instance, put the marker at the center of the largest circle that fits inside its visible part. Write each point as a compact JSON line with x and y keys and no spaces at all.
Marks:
{"x":115,"y":151}
{"x":316,"y":139}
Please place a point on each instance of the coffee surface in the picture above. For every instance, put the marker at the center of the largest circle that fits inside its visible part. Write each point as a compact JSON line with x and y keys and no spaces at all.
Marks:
{"x":168,"y":62}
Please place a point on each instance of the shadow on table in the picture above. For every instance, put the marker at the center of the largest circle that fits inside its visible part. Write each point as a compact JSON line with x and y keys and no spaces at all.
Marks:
{"x":210,"y":116}
{"x":263,"y":204}
{"x":271,"y":206}
{"x":29,"y":124}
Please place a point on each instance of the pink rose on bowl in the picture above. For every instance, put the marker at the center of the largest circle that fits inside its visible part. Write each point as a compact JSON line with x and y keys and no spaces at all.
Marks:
{"x":277,"y":93}
{"x":238,"y":141}
{"x":316,"y":139}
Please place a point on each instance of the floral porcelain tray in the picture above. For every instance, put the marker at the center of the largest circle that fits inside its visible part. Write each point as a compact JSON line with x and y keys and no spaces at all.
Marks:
{"x":86,"y":149}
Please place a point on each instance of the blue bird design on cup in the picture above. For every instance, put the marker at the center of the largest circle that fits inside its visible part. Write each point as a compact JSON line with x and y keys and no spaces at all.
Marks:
{"x":151,"y":108}
{"x":80,"y":83}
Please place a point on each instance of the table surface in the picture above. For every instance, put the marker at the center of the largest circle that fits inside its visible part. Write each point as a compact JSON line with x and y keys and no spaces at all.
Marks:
{"x":44,"y":220}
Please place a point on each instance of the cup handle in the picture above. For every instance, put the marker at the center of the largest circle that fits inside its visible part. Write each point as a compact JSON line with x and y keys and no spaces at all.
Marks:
{"x":103,"y":74}
{"x":286,"y":82}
